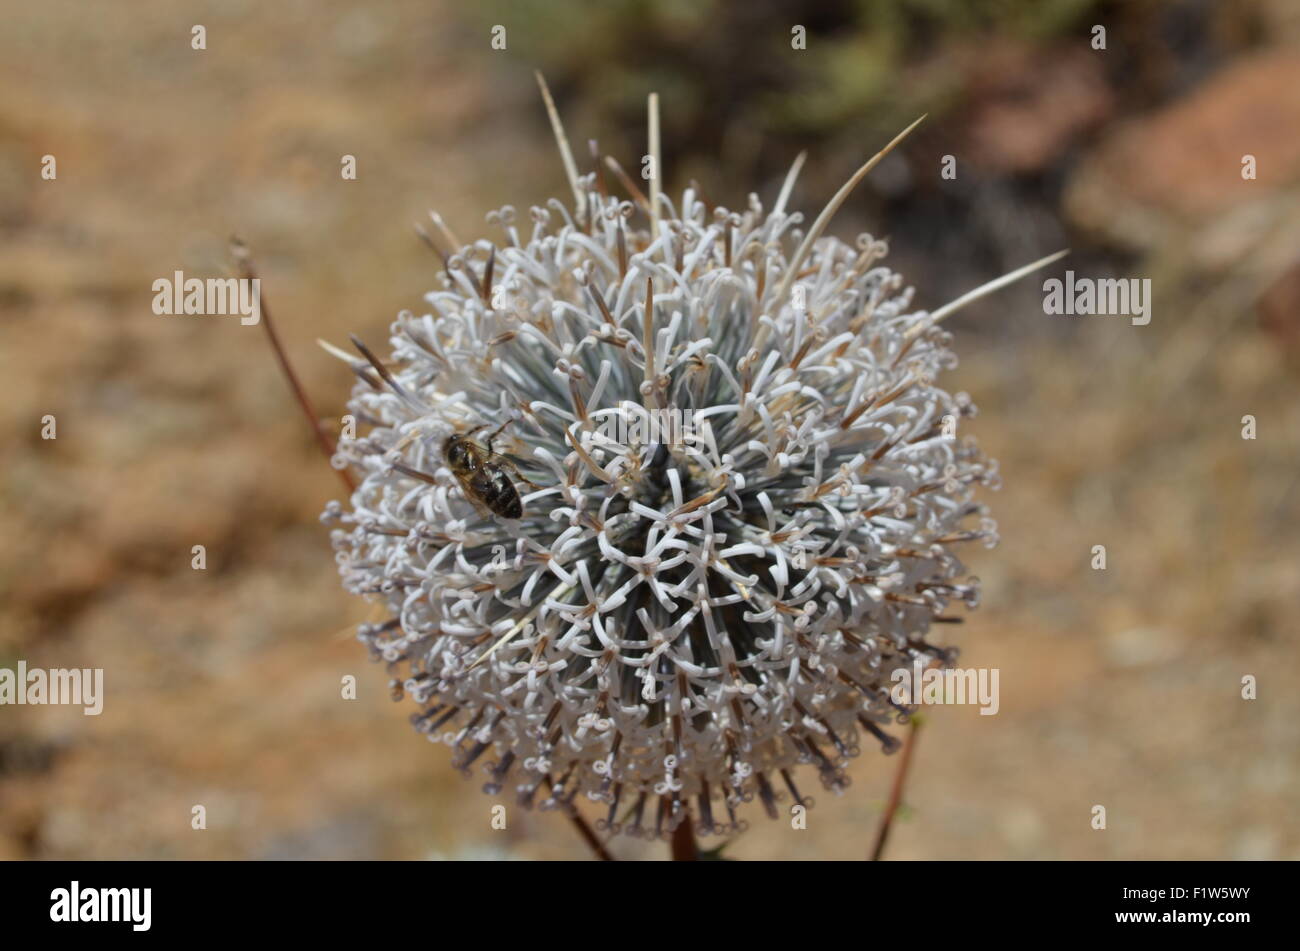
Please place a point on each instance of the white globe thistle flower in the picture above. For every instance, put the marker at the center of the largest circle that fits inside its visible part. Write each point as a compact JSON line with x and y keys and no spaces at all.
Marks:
{"x":741,"y":501}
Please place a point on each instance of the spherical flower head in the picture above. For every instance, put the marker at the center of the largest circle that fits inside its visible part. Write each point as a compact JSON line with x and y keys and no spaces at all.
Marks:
{"x":741,"y":490}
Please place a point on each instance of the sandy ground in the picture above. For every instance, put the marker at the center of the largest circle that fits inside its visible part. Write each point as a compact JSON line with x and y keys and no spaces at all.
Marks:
{"x":1119,"y":687}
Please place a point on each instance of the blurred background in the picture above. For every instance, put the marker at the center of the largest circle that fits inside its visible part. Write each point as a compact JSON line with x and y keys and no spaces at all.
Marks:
{"x":1119,"y":687}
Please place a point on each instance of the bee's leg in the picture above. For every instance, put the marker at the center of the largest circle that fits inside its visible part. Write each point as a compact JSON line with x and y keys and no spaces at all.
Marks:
{"x":496,"y":432}
{"x":471,"y":432}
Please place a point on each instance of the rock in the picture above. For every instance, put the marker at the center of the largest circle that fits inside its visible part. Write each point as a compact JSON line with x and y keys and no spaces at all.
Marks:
{"x":1181,"y":167}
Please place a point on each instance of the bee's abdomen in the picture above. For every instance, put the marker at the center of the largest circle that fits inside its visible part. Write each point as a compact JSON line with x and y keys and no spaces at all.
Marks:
{"x":499,"y":493}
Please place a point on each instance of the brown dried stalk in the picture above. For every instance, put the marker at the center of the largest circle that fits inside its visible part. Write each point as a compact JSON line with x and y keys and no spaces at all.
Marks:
{"x":896,"y":793}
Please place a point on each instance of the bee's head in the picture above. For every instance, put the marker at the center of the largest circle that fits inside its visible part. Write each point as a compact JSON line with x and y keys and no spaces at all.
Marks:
{"x":455,"y":450}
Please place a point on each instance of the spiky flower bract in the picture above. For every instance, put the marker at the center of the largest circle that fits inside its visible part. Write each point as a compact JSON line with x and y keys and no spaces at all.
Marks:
{"x":681,"y":616}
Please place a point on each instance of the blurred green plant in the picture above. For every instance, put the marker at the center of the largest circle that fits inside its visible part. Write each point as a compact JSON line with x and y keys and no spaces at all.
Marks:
{"x":730,"y":77}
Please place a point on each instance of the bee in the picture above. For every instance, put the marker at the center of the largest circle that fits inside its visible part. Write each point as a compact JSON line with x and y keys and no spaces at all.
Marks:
{"x":484,"y":475}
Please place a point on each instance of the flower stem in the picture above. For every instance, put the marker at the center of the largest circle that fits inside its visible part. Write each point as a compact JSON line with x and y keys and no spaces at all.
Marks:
{"x":323,"y":438}
{"x":684,"y":847}
{"x":584,"y":829}
{"x":589,"y":836}
{"x":896,"y":793}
